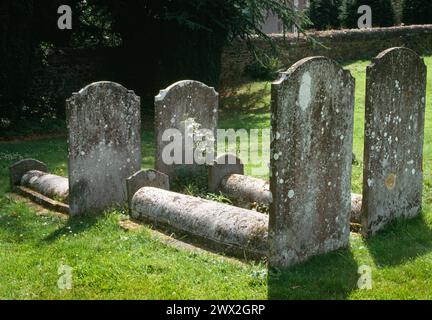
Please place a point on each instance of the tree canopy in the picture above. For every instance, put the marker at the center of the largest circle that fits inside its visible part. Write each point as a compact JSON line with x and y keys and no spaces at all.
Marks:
{"x":417,"y":11}
{"x":324,"y":14}
{"x":383,"y":13}
{"x":161,"y":40}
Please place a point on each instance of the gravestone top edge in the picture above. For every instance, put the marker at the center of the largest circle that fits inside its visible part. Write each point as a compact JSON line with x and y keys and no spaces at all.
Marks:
{"x":179,"y":84}
{"x":146,"y":171}
{"x":221,"y":159}
{"x":304,"y":63}
{"x":116,"y":85}
{"x":387,"y":54}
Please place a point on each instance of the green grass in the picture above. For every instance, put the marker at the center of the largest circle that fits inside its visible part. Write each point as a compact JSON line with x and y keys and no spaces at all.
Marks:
{"x":111,"y":263}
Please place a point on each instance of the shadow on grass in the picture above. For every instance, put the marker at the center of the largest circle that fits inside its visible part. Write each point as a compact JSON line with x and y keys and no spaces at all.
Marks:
{"x":401,"y":241}
{"x":328,"y":277}
{"x":74,"y":225}
{"x":17,"y":227}
{"x":246,"y":107}
{"x":247,"y":99}
{"x":235,"y":119}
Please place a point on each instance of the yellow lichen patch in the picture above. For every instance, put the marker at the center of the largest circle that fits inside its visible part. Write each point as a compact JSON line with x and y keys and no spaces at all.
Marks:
{"x":390,"y":181}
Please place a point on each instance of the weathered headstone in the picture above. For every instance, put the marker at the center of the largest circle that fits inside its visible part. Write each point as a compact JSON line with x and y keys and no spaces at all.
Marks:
{"x":394,"y":134}
{"x":191,"y":109}
{"x":104,"y":123}
{"x":311,"y":154}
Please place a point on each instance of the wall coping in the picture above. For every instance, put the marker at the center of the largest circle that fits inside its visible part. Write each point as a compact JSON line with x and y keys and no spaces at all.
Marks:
{"x":350,"y":33}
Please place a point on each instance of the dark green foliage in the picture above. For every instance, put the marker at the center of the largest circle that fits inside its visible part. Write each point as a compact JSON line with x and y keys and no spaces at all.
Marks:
{"x":24,"y":26}
{"x":417,"y":11}
{"x":383,"y":14}
{"x":397,"y":6}
{"x":324,"y":14}
{"x":265,"y":68}
{"x":183,"y":39}
{"x":16,"y":46}
{"x":159,"y":42}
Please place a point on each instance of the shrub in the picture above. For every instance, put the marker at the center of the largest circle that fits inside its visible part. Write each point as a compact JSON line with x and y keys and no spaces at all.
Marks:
{"x":264,"y":67}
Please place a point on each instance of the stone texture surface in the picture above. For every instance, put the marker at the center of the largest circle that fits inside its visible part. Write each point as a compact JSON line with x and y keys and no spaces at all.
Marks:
{"x":223,"y":166}
{"x":311,"y":155}
{"x":104,"y":122}
{"x":215,"y":223}
{"x":146,"y":178}
{"x":245,"y":189}
{"x":49,"y":185}
{"x":356,"y":208}
{"x":394,"y":135}
{"x":17,"y":170}
{"x":176,"y":104}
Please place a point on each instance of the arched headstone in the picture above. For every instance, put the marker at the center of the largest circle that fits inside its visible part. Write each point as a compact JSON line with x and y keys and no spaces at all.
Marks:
{"x":184,"y":109}
{"x":104,"y":122}
{"x":311,"y":154}
{"x":394,"y":135}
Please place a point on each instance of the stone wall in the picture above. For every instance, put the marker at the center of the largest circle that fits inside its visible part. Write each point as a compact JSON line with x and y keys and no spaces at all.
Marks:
{"x":340,"y":45}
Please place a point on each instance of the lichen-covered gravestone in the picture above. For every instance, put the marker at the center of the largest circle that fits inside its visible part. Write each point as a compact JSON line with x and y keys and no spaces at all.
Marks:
{"x":104,"y":123}
{"x":311,"y":154}
{"x":394,"y":133}
{"x":185,"y":111}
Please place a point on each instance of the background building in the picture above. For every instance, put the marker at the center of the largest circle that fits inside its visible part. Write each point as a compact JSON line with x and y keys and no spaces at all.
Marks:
{"x":274,"y":25}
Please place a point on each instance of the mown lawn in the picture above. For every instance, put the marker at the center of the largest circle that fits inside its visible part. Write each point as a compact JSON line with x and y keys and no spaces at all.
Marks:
{"x":111,"y":263}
